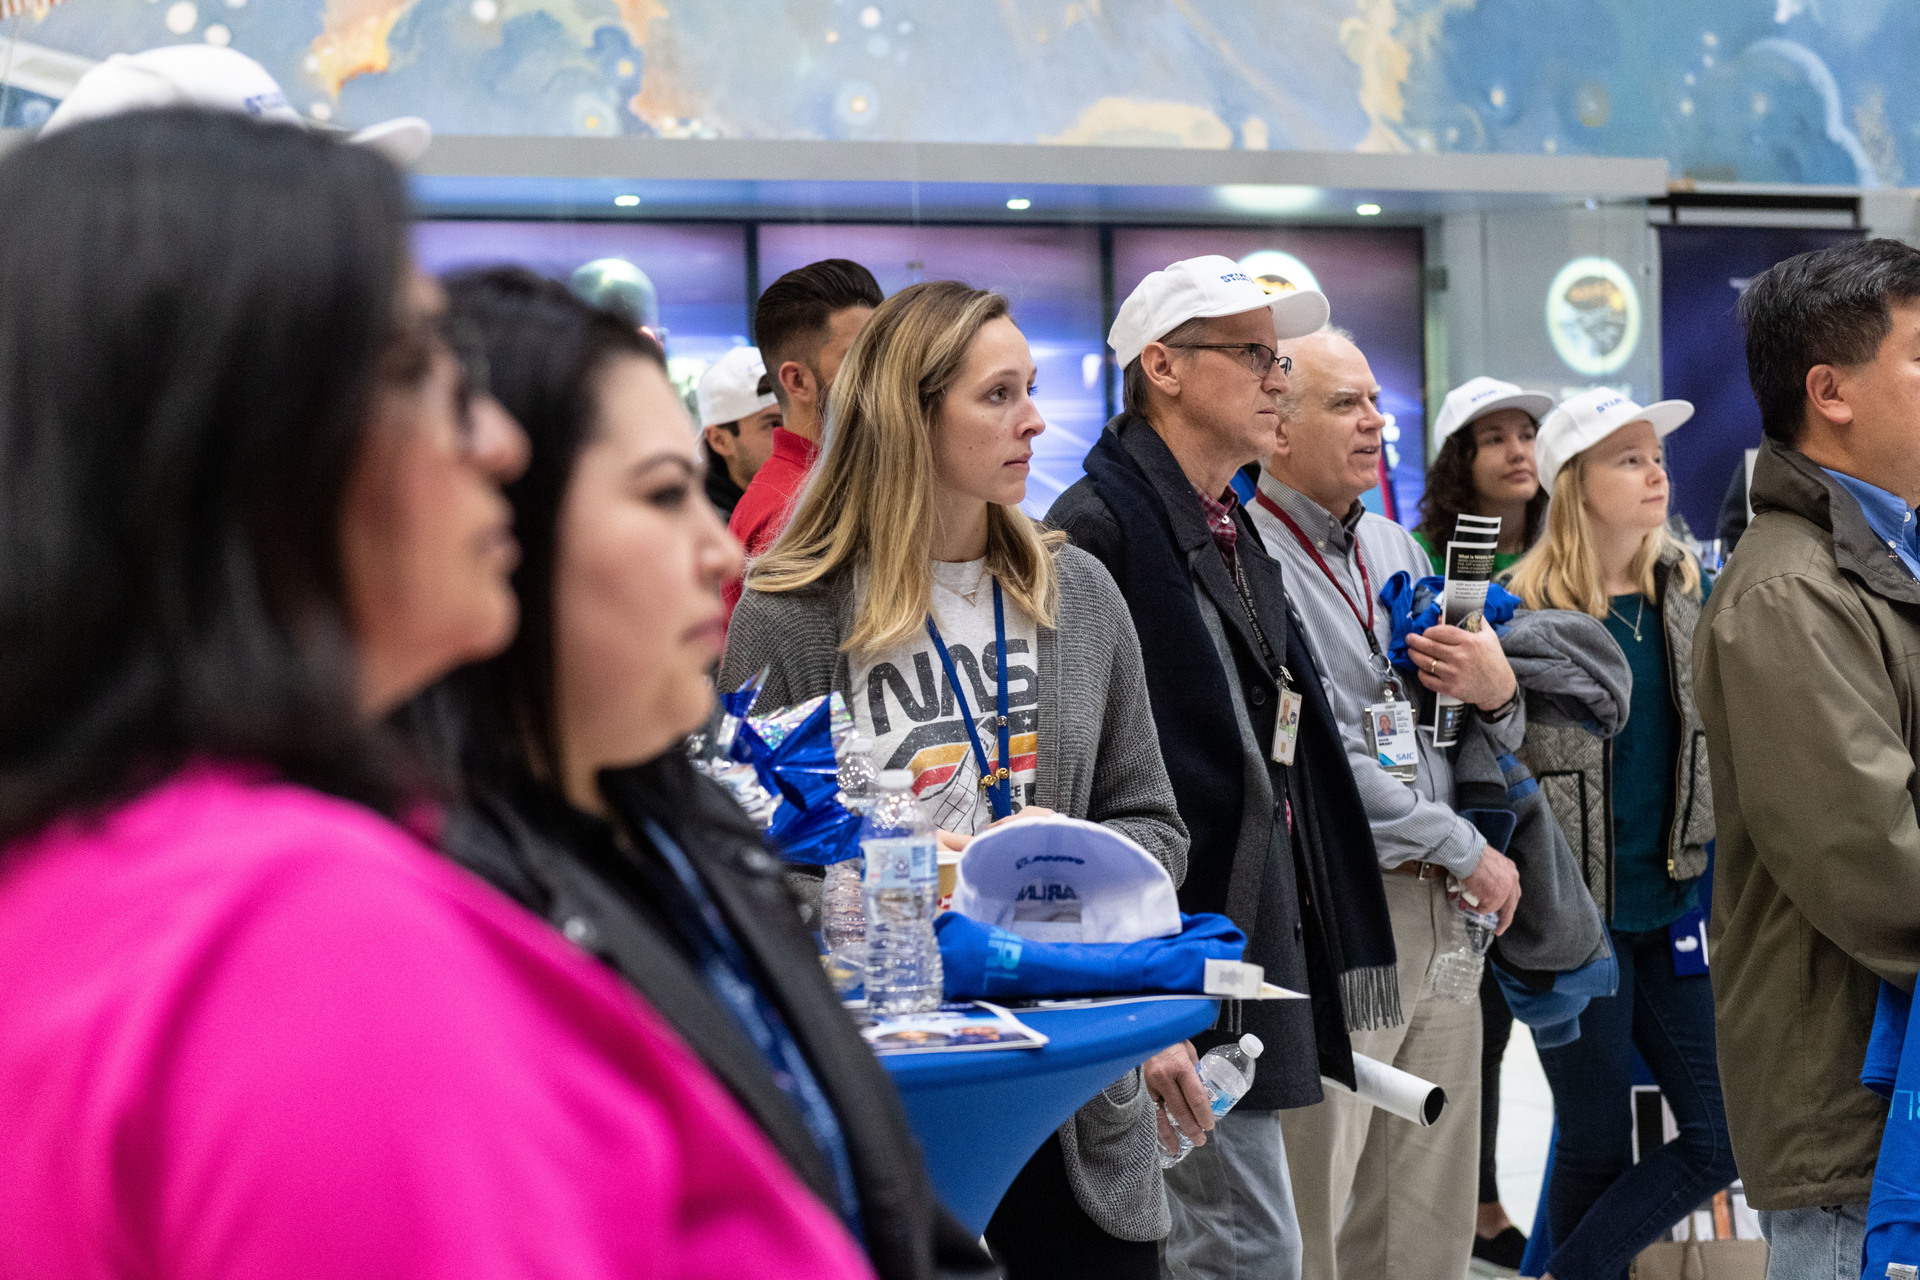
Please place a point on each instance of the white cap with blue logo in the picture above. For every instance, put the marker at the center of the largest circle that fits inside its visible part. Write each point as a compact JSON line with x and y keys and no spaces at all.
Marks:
{"x":1056,"y":879}
{"x":1477,"y":397}
{"x":217,"y":79}
{"x":1201,"y":289}
{"x":1583,"y":421}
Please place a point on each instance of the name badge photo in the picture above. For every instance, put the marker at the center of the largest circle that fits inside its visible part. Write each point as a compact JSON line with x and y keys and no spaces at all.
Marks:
{"x":1390,"y":734}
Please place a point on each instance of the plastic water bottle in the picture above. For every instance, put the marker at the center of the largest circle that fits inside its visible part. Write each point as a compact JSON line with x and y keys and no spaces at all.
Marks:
{"x":902,"y":883}
{"x":843,"y":898}
{"x":1456,"y":973}
{"x":1226,"y":1071}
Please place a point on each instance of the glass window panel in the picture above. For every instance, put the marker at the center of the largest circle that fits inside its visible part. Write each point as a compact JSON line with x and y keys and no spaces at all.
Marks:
{"x":1372,"y":280}
{"x":699,"y":270}
{"x":1050,"y":275}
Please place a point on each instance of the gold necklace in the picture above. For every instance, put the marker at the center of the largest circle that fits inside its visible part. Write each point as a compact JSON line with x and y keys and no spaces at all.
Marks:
{"x":1639,"y":616}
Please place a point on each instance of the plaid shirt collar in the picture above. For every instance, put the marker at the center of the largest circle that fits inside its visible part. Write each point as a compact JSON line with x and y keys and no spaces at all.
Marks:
{"x":1219,"y":513}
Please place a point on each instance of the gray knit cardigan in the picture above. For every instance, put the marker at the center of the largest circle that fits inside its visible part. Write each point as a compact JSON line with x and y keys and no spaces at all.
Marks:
{"x":1099,"y":759}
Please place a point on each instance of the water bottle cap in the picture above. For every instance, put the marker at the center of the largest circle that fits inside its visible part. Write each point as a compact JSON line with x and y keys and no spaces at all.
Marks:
{"x":896,"y":779}
{"x":1251,"y":1046}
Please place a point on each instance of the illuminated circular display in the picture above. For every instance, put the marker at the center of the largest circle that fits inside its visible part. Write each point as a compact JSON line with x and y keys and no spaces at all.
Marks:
{"x":1593,"y":316}
{"x":1278,"y":272}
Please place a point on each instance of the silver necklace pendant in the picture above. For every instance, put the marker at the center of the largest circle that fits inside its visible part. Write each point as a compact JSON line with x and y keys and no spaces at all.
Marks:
{"x":1639,"y":616}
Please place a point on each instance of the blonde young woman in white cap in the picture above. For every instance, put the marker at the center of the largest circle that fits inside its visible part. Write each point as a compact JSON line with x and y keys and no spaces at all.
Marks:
{"x":1484,"y":466}
{"x":738,"y":414}
{"x":1639,"y":812}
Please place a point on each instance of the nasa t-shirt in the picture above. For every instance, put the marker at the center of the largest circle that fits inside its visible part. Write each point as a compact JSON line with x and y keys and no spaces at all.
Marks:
{"x":901,"y":697}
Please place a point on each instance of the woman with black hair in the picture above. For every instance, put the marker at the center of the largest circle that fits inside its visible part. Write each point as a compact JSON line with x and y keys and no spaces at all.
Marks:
{"x":581,"y":807}
{"x":1485,"y":467}
{"x":252,"y":1026}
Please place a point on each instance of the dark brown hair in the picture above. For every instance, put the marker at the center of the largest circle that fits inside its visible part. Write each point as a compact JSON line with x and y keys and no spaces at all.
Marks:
{"x":198,"y":312}
{"x":546,"y":350}
{"x":1450,"y":493}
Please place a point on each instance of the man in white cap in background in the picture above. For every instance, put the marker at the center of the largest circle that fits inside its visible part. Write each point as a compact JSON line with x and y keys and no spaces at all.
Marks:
{"x":216,"y":79}
{"x":1278,"y":839}
{"x":1412,"y":1190}
{"x":738,"y":412}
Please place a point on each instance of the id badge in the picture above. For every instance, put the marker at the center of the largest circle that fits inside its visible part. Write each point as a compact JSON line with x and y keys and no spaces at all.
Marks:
{"x":1390,"y":735}
{"x":1286,"y":725}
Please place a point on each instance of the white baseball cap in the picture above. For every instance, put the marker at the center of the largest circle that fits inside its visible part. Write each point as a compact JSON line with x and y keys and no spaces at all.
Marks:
{"x":1200,"y":289}
{"x":1058,"y":879}
{"x":730,"y":388}
{"x":1477,"y":397}
{"x":1583,"y":421}
{"x":219,"y":79}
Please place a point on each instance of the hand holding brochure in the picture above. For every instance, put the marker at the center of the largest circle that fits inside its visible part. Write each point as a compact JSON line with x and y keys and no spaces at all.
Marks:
{"x":1469,"y":569}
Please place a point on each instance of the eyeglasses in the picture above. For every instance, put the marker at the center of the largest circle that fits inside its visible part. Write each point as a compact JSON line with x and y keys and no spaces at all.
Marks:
{"x":410,"y":355}
{"x":1259,"y":357}
{"x":470,"y":355}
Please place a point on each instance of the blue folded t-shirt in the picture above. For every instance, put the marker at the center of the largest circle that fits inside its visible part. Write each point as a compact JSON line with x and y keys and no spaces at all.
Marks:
{"x":1892,"y":1070}
{"x":985,"y":962}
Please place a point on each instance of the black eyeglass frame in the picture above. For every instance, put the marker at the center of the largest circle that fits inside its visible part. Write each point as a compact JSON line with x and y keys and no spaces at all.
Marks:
{"x":1260,"y":357}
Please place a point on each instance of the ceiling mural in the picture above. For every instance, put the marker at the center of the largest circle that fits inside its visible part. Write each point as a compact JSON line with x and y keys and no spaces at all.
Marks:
{"x":1801,"y":91}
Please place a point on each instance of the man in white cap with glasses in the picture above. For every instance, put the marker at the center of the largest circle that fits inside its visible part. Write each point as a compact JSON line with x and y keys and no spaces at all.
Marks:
{"x":1412,"y":1190}
{"x":738,"y":412}
{"x":1248,"y":740}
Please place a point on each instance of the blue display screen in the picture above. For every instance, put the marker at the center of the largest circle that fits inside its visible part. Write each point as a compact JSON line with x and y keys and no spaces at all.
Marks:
{"x":697,"y":271}
{"x":1050,"y":276}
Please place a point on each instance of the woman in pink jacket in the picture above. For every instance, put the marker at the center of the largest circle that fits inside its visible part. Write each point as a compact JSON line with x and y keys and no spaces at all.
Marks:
{"x":249,"y":1026}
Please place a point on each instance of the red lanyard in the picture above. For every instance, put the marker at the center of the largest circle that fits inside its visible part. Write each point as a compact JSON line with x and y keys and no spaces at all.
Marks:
{"x":1306,"y":545}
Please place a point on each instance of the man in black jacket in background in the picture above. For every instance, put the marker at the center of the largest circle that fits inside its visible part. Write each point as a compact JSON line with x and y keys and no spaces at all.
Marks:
{"x":1280,"y":842}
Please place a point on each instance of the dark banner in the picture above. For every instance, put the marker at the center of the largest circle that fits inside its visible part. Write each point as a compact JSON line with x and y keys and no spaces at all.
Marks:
{"x":1703,"y":355}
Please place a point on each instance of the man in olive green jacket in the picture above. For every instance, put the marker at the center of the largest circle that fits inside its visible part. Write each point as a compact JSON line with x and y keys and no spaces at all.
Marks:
{"x":1807,"y":675}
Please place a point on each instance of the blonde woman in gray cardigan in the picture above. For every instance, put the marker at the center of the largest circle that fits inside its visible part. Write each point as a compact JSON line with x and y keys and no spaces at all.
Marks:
{"x":907,"y":557}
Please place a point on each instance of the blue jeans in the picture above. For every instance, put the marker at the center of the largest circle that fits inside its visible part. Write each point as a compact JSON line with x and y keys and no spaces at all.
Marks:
{"x":1814,"y":1244}
{"x":1604,"y":1208}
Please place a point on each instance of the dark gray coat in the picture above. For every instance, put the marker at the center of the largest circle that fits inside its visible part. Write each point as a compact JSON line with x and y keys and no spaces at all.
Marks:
{"x":1577,"y":686}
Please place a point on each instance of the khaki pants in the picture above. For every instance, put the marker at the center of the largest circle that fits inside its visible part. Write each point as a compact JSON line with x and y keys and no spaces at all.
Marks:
{"x":1413,"y":1190}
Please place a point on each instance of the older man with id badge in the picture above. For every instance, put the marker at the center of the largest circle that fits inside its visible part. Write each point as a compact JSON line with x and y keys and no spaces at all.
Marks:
{"x":1412,"y":1189}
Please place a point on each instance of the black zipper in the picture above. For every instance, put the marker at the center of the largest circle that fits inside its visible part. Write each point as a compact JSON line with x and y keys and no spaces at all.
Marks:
{"x":1606,"y":819}
{"x":1682,"y":772}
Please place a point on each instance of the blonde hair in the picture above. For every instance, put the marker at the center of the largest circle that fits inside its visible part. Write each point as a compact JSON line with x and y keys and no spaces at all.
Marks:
{"x":869,"y":504}
{"x":1563,"y":569}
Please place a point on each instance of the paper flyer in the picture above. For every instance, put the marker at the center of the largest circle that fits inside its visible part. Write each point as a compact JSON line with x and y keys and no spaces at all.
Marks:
{"x":953,"y":1028}
{"x":1464,"y":595}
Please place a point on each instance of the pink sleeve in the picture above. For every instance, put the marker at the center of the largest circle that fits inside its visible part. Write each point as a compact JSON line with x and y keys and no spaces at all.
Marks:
{"x":375,"y":1078}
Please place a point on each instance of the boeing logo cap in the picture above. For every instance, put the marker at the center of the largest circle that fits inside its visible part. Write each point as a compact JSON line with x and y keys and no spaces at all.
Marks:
{"x":730,"y":388}
{"x":1477,"y":397}
{"x":1583,"y":421}
{"x":1201,"y":289}
{"x":218,"y":79}
{"x":1060,"y":879}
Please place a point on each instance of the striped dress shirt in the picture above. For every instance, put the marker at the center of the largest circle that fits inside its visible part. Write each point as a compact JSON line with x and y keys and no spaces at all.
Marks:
{"x":1410,"y":823}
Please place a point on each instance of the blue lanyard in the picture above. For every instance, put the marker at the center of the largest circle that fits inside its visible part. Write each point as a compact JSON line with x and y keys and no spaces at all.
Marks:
{"x":729,"y":974}
{"x":997,"y":783}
